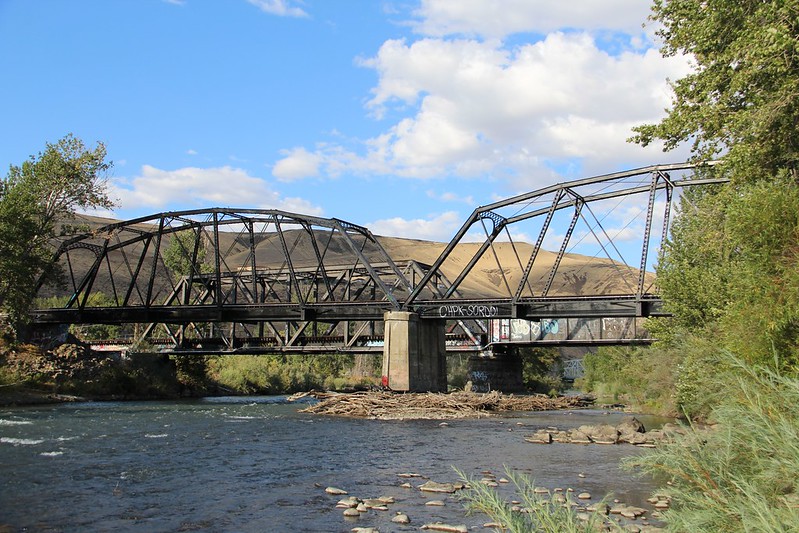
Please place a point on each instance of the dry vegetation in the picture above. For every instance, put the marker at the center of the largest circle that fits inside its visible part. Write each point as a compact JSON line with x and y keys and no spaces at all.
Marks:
{"x":395,"y":406}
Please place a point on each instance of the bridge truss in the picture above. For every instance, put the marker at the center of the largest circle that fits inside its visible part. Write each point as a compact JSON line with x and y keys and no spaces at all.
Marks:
{"x":595,"y":217}
{"x":229,"y":279}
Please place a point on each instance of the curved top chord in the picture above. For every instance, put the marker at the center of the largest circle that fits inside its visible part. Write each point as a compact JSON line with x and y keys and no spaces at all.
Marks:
{"x":208,"y":260}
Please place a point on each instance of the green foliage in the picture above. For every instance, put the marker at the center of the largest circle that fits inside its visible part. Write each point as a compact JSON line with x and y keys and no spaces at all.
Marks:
{"x":457,"y":371}
{"x":742,"y":95}
{"x":541,"y":370}
{"x":9,"y":376}
{"x":541,"y":513}
{"x":192,"y":372}
{"x":678,"y":380}
{"x":186,"y":254}
{"x":730,"y":269}
{"x":742,"y":475}
{"x":642,"y":377}
{"x":34,"y":197}
{"x":280,"y":374}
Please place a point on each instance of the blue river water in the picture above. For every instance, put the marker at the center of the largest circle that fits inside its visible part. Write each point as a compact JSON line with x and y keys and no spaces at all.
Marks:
{"x":256,"y":464}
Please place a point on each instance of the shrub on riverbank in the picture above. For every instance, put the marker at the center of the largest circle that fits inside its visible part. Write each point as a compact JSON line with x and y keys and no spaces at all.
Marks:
{"x":744,"y":474}
{"x":671,"y":380}
{"x":281,"y":374}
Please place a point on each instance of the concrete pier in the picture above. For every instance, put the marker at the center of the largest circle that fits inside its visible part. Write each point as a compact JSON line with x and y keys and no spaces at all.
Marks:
{"x":414,"y":353}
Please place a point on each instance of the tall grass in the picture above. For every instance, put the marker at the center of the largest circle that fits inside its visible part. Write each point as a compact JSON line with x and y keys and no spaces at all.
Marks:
{"x":547,"y":514}
{"x":743,"y":475}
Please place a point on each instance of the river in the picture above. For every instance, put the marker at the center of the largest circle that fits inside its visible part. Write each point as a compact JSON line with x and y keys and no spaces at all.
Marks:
{"x":256,"y":464}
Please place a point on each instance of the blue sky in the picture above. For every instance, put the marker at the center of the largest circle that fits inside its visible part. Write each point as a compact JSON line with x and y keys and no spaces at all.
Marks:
{"x":399,"y":115}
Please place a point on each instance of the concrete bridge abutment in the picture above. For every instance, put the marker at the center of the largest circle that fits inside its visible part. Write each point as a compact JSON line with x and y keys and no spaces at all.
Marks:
{"x":414,"y":353}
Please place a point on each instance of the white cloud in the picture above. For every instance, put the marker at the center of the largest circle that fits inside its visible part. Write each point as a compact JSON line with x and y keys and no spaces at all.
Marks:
{"x":498,"y":18}
{"x":298,"y":163}
{"x":282,"y":8}
{"x":192,"y":187}
{"x":450,"y":197}
{"x":461,"y":103}
{"x":478,"y":109}
{"x":439,"y":228}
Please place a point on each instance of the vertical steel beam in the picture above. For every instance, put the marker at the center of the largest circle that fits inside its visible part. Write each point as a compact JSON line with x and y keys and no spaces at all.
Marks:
{"x":538,"y":243}
{"x":217,"y":262}
{"x":647,"y":232}
{"x":293,"y":281}
{"x":578,"y":206}
{"x":156,"y":253}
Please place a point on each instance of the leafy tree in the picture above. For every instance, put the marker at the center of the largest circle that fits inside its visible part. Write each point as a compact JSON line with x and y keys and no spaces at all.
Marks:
{"x":186,"y":254}
{"x":35,"y":198}
{"x":742,"y":97}
{"x":730,"y":265}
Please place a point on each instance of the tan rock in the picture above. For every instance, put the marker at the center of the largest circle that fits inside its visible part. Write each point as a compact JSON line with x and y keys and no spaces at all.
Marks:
{"x":433,"y":486}
{"x":540,"y":437}
{"x":438,"y":526}
{"x":579,"y":437}
{"x":401,"y":518}
{"x":346,"y":503}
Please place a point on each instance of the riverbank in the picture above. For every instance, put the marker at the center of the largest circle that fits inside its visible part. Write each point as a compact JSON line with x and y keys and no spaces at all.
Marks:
{"x":18,"y":395}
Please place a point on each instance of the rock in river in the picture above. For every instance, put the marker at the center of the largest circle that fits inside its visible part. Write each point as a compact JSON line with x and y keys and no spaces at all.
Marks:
{"x":433,"y":486}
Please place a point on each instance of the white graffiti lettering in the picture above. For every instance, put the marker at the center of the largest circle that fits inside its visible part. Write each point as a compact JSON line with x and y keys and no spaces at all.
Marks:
{"x":478,"y":375}
{"x":483,"y":311}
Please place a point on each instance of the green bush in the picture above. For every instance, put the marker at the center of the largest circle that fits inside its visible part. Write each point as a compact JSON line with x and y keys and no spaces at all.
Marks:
{"x":641,"y":377}
{"x":457,"y":371}
{"x":541,"y":370}
{"x":283,"y":374}
{"x":744,"y":474}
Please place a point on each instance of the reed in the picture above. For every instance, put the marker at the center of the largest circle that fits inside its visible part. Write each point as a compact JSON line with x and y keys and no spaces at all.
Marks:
{"x":534,"y":512}
{"x":742,"y":474}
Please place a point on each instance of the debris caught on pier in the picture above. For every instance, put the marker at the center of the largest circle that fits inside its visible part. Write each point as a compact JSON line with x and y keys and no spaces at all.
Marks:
{"x":426,"y":405}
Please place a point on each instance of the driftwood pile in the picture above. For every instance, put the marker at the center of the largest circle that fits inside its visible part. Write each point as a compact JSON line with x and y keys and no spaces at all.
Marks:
{"x":392,"y":406}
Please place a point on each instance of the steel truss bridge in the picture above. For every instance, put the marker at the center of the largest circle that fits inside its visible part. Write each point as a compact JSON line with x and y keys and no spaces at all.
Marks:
{"x":225,"y":279}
